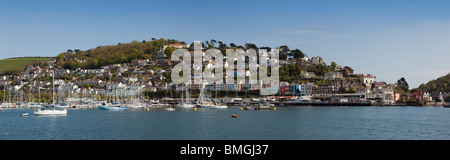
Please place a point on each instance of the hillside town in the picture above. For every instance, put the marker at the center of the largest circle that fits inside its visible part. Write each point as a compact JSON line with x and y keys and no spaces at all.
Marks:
{"x":150,"y":79}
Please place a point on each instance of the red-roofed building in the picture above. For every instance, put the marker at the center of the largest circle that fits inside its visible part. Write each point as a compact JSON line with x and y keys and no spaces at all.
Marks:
{"x":176,"y":46}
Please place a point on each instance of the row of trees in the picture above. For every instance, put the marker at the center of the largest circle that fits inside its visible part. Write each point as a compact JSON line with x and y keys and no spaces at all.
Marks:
{"x":292,"y":72}
{"x":442,"y":84}
{"x":113,"y":54}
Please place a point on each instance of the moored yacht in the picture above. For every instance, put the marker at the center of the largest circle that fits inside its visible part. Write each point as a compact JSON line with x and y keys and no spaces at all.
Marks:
{"x":185,"y":106}
{"x":204,"y":100}
{"x":109,"y":106}
{"x":51,"y":112}
{"x":185,"y":103}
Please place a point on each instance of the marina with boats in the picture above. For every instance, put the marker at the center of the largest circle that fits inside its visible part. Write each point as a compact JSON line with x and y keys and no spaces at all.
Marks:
{"x":185,"y":103}
{"x":61,"y":101}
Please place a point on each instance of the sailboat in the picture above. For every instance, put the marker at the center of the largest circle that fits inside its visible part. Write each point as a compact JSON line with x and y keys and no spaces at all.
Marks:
{"x":51,"y":112}
{"x":135,"y":101}
{"x":183,"y":103}
{"x":38,"y":104}
{"x":111,"y":106}
{"x":205,"y":102}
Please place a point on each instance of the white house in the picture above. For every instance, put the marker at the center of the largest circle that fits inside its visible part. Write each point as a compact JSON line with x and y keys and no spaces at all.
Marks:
{"x":176,"y":46}
{"x":305,"y":74}
{"x":332,"y":76}
{"x":367,"y":79}
{"x":317,"y":60}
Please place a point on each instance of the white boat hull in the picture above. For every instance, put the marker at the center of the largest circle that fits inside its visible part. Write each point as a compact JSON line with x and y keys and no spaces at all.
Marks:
{"x":218,"y":107}
{"x":135,"y":106}
{"x":35,"y":106}
{"x":185,"y":106}
{"x":61,"y":107}
{"x":47,"y":112}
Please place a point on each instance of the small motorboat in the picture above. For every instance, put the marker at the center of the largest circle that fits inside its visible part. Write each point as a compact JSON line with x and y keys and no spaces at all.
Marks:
{"x":234,"y":115}
{"x":113,"y":108}
{"x":24,"y":114}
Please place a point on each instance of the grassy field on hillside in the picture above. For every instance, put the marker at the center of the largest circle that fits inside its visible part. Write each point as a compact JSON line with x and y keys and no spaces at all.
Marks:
{"x":19,"y":63}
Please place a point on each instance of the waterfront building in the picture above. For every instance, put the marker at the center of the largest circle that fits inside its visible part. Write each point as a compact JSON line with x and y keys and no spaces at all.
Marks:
{"x":294,"y":89}
{"x":348,"y":97}
{"x":336,"y":88}
{"x":322,"y":91}
{"x":385,"y":95}
{"x":426,"y":96}
{"x":255,"y":86}
{"x":437,"y":96}
{"x":123,"y":90}
{"x":237,"y":87}
{"x":306,"y":89}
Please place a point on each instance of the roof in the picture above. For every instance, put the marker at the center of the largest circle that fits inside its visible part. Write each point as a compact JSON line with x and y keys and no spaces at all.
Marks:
{"x":369,"y":76}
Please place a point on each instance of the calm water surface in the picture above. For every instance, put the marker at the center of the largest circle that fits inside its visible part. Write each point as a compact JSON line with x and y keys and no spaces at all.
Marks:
{"x":296,"y":123}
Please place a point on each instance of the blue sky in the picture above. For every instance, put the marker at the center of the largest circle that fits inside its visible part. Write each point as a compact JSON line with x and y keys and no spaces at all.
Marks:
{"x":387,"y":38}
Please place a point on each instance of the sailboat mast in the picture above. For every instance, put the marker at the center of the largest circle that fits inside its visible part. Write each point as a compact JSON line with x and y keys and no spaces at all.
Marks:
{"x":39,"y":91}
{"x":53,"y":89}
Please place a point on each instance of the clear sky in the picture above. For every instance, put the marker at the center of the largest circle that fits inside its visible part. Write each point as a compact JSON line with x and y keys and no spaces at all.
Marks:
{"x":387,"y":38}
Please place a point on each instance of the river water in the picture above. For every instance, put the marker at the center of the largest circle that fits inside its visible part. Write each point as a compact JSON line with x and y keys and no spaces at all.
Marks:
{"x":286,"y":123}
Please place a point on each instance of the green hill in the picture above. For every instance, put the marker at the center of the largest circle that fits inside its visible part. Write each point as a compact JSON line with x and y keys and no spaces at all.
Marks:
{"x":14,"y":64}
{"x":442,"y":84}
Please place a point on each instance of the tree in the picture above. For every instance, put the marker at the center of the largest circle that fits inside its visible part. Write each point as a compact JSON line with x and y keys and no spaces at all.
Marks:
{"x":168,"y":51}
{"x":333,"y":64}
{"x":447,"y":99}
{"x":297,"y":53}
{"x":213,"y":42}
{"x":266,"y":48}
{"x":166,"y":91}
{"x":251,"y":46}
{"x":423,"y":87}
{"x":403,"y":84}
{"x":433,"y":86}
{"x":284,"y":49}
{"x":70,"y":64}
{"x":222,"y":45}
{"x":172,"y":41}
{"x":60,"y":57}
{"x":322,"y":69}
{"x":352,"y":89}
